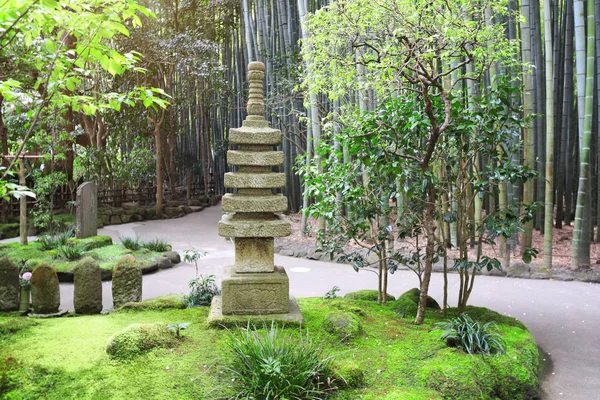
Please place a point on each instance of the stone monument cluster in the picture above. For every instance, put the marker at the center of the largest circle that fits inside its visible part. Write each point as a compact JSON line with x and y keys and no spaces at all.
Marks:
{"x":45,"y":290}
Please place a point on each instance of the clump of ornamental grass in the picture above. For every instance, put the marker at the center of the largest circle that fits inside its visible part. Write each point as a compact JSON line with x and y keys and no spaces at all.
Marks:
{"x":275,"y":364}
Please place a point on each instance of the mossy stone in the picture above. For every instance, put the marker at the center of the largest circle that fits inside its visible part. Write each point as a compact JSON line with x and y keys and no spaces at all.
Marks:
{"x":414,"y":294}
{"x":407,"y":304}
{"x":137,"y":339}
{"x":348,"y":374}
{"x":45,"y":290}
{"x":345,"y":325}
{"x":367,"y":295}
{"x":88,"y":287}
{"x":173,"y":301}
{"x":126,"y":281}
{"x":9,"y":285}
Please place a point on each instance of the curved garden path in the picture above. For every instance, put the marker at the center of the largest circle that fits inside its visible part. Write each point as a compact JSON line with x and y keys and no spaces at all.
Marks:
{"x":564,"y":317}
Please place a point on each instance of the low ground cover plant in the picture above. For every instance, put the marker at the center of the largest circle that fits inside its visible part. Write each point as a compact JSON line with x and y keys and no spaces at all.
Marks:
{"x":471,"y":336}
{"x":202,"y":290}
{"x":273,"y":364}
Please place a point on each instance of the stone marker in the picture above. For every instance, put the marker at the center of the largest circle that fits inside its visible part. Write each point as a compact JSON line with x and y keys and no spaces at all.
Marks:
{"x":9,"y":285}
{"x":87,"y":210}
{"x":45,"y":291}
{"x":254,"y":285}
{"x":126,"y":281}
{"x":88,"y":287}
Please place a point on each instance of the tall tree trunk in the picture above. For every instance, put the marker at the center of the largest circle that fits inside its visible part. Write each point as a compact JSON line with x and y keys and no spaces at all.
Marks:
{"x":549,"y":205}
{"x":528,"y":146}
{"x":580,"y":252}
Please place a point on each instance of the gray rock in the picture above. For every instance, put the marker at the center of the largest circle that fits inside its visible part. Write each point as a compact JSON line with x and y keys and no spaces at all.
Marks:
{"x":125,"y":218}
{"x":173,"y":256}
{"x":126,"y":281}
{"x":45,"y":291}
{"x":137,"y":218}
{"x":313,"y":254}
{"x":287,"y":252}
{"x":563,"y":277}
{"x":9,"y":285}
{"x":133,"y":205}
{"x":115,"y":220}
{"x":88,"y":287}
{"x":165,"y":263}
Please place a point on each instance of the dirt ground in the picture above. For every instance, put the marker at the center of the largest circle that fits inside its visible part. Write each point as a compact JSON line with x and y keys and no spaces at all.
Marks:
{"x":561,"y":239}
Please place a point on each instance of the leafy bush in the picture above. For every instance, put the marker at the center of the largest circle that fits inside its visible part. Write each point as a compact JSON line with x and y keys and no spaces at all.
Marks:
{"x":274,"y":364}
{"x":471,"y":336}
{"x":203,"y":289}
{"x":70,"y":252}
{"x":157,"y":245}
{"x":131,"y":243}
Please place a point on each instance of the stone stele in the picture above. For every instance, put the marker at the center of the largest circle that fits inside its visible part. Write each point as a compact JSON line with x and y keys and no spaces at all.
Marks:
{"x":87,"y":210}
{"x":45,"y":290}
{"x":126,"y":281}
{"x":254,"y":286}
{"x":87,"y":297}
{"x":9,"y":285}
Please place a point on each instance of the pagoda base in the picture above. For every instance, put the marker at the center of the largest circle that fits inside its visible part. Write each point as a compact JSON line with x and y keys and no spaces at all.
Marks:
{"x":216,"y":318}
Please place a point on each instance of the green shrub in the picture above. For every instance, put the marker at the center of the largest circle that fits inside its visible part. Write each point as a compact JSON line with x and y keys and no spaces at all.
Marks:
{"x":202,"y":291}
{"x":70,"y":251}
{"x":471,"y":336}
{"x":273,"y":364}
{"x":131,"y":243}
{"x":158,"y":245}
{"x":139,"y":338}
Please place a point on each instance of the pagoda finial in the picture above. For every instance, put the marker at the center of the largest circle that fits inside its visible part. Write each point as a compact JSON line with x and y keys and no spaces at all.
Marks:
{"x":256,"y":104}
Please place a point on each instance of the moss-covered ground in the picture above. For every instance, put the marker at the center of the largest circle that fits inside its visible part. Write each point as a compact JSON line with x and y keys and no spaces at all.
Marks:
{"x":105,"y":255}
{"x":390,"y":359}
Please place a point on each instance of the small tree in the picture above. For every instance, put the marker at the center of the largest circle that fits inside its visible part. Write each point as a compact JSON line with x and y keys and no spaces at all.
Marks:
{"x":421,"y":53}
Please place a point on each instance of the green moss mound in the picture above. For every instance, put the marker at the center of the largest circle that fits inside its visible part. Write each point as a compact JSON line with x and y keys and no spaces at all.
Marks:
{"x":407,"y":304}
{"x":344,"y":325}
{"x":92,"y":242}
{"x":348,"y":374}
{"x":366,"y":295}
{"x":174,"y":301}
{"x":139,"y":338}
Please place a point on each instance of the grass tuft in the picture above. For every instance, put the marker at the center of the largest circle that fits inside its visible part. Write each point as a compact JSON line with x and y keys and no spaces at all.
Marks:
{"x":131,"y":243}
{"x":158,"y":245}
{"x":273,"y":364}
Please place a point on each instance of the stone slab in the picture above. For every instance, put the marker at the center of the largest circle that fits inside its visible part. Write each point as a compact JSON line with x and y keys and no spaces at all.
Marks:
{"x":276,"y":227}
{"x":255,"y":158}
{"x":255,"y":136}
{"x":86,"y":210}
{"x":269,"y":180}
{"x":216,"y":319}
{"x":255,"y":293}
{"x":239,"y":203}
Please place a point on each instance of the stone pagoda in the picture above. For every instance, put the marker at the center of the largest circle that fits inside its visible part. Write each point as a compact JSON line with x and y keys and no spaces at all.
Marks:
{"x":254,"y":285}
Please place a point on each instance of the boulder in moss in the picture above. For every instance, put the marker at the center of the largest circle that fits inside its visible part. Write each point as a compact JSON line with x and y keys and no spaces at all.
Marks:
{"x":368,"y":295}
{"x":9,"y":285}
{"x":137,"y":339}
{"x":407,"y":304}
{"x":88,"y":287}
{"x":348,"y":374}
{"x":126,"y":281}
{"x":345,"y":325}
{"x":45,"y":290}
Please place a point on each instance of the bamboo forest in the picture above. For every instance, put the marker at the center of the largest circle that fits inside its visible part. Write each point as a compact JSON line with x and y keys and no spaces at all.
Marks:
{"x":455,"y":142}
